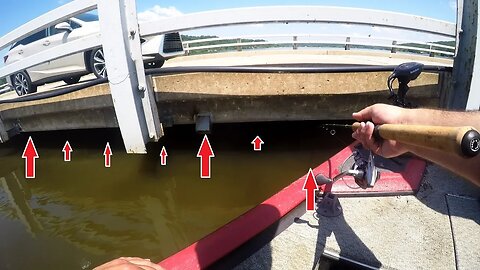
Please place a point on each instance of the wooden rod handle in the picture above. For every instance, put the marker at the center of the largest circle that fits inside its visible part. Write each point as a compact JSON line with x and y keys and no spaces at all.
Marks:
{"x":464,"y":141}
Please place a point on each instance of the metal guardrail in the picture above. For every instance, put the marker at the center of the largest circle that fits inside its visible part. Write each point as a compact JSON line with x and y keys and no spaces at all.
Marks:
{"x":315,"y":35}
{"x":132,"y":96}
{"x":295,"y":41}
{"x":307,"y":14}
{"x":4,"y":88}
{"x":53,"y":17}
{"x":294,"y":14}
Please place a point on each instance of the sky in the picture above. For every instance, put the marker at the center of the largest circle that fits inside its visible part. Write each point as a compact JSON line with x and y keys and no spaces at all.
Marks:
{"x":438,"y":9}
{"x":156,"y":9}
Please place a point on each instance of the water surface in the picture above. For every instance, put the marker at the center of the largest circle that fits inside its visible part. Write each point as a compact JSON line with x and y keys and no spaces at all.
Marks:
{"x":78,"y":214}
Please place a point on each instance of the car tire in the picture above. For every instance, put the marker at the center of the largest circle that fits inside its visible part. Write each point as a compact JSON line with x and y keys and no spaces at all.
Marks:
{"x":72,"y":80}
{"x":97,"y":63}
{"x":22,"y":84}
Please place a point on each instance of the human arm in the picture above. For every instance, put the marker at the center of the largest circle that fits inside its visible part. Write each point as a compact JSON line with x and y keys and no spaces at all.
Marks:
{"x":129,"y":263}
{"x":468,"y":168}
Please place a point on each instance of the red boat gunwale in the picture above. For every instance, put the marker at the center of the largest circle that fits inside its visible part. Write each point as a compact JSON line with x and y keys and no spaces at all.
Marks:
{"x":226,"y":239}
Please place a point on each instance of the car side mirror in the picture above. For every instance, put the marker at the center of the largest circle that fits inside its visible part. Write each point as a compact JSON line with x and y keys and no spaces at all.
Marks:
{"x":64,"y":26}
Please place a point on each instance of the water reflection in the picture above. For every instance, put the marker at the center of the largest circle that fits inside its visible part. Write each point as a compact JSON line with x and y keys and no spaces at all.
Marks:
{"x":78,"y":214}
{"x":18,"y":195}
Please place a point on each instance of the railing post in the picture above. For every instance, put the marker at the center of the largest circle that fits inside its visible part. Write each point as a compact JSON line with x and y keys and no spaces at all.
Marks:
{"x":394,"y":49}
{"x":239,"y":41}
{"x":295,"y":44}
{"x":154,"y":127}
{"x":186,"y":47}
{"x":126,"y":76}
{"x":431,"y":54}
{"x":347,"y":44}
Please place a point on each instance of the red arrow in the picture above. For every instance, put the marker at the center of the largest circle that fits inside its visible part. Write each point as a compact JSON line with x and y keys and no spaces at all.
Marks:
{"x":163,"y":157}
{"x":67,"y":150}
{"x":310,"y":186}
{"x":30,"y":154}
{"x":257,"y":144}
{"x":107,"y":153}
{"x":205,"y":153}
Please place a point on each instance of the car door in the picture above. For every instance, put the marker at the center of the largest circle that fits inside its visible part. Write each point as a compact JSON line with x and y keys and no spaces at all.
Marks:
{"x":69,"y":64}
{"x":27,"y":47}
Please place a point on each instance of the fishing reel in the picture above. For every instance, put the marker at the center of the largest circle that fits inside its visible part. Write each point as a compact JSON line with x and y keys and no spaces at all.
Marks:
{"x":363,"y":171}
{"x":404,"y":73}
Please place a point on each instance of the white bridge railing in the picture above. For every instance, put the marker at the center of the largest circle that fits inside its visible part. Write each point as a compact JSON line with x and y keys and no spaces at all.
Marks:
{"x":120,"y":34}
{"x":319,"y":41}
{"x":48,"y":19}
{"x":305,"y":14}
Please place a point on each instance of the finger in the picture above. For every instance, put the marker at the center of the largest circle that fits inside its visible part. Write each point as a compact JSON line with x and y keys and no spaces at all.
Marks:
{"x":115,"y":262}
{"x":356,"y":133}
{"x":359,"y":135}
{"x":364,"y":114}
{"x":369,"y":140}
{"x":362,"y":136}
{"x":144,"y":263}
{"x":146,"y":267}
{"x":133,"y":258}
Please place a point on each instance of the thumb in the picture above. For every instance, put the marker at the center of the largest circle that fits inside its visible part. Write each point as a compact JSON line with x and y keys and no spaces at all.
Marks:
{"x":363,"y":115}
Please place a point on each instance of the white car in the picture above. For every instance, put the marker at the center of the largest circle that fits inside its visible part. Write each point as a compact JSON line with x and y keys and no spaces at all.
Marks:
{"x":70,"y":68}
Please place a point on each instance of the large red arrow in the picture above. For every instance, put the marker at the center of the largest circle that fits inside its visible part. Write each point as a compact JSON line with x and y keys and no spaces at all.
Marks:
{"x":30,"y":154}
{"x":205,"y":153}
{"x":163,"y":157}
{"x":67,"y":150}
{"x":107,"y":153}
{"x":310,"y":186}
{"x":257,"y":144}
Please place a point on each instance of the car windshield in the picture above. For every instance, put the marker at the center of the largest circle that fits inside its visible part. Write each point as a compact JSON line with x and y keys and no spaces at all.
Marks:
{"x":87,"y":17}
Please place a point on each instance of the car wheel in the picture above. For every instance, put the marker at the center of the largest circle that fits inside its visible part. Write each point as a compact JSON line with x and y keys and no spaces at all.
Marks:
{"x":22,"y":83}
{"x":97,"y":63}
{"x":72,"y":80}
{"x":154,"y":64}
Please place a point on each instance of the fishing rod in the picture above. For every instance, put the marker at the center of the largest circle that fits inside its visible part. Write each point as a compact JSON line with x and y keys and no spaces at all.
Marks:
{"x":464,"y":141}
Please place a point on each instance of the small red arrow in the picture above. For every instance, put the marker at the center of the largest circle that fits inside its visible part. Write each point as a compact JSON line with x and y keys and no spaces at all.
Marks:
{"x":205,"y":153}
{"x":30,"y":154}
{"x":310,"y":186}
{"x":163,"y":157}
{"x":67,"y":150}
{"x":107,"y":153}
{"x":257,"y":144}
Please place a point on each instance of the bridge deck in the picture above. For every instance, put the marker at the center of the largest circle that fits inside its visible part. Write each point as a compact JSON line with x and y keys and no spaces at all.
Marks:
{"x":233,"y":97}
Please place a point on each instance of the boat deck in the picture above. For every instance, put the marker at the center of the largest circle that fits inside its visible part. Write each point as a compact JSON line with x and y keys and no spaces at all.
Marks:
{"x":438,"y":228}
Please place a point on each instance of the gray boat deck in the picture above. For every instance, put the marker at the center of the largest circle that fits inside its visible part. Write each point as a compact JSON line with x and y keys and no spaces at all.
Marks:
{"x":436,"y":229}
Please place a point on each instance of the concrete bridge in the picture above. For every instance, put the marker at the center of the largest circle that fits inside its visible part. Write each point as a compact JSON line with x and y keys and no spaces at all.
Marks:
{"x":238,"y":97}
{"x":272,"y":85}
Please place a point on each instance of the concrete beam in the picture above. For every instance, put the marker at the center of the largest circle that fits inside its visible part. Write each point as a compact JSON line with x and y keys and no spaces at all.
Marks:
{"x":228,"y":97}
{"x":262,"y":84}
{"x":280,"y":97}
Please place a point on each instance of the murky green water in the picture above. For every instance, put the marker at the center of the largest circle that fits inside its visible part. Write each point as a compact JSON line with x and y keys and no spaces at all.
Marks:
{"x":78,"y":214}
